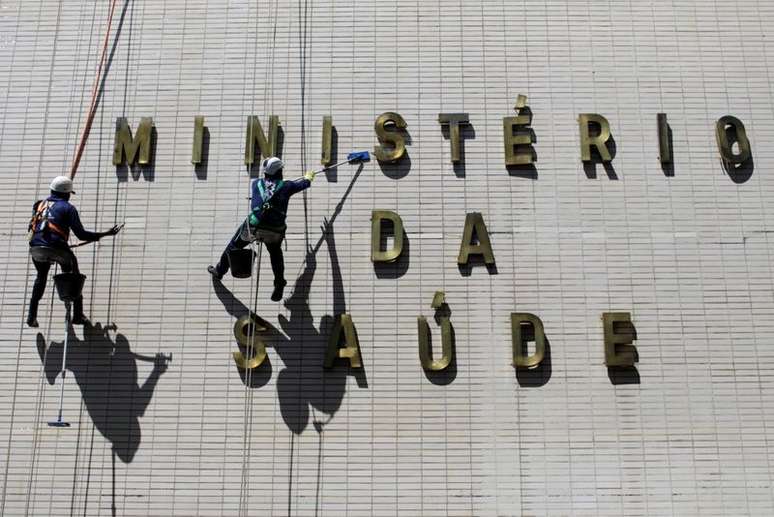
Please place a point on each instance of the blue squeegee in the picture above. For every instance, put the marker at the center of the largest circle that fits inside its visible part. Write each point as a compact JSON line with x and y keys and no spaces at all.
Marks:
{"x":353,"y":158}
{"x":358,"y":157}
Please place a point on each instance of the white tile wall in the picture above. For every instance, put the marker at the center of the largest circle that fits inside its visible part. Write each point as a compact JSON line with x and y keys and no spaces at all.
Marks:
{"x":689,"y":256}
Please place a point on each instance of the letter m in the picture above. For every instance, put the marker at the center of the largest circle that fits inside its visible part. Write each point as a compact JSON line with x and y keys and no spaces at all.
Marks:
{"x":131,"y":147}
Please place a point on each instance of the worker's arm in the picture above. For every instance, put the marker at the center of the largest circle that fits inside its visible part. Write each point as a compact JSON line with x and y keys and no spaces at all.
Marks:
{"x":77,"y":227}
{"x":295,"y":186}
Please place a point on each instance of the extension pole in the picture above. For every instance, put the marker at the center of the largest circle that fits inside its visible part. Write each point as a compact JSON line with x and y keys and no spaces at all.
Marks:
{"x":59,"y":422}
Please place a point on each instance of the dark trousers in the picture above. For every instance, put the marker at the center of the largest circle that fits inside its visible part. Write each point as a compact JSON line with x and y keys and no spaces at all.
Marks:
{"x":275,"y":254}
{"x":69,"y":264}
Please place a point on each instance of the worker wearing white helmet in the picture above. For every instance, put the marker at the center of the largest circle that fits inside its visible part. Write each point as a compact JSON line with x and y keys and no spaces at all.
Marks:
{"x":49,"y":231}
{"x":266,"y":222}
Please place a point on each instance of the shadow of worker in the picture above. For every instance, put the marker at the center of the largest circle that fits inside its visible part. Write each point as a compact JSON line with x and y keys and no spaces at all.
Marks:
{"x":304,"y":385}
{"x":106,"y":372}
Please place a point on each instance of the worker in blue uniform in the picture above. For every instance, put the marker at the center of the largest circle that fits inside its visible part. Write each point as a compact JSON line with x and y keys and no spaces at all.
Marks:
{"x":266,"y":222}
{"x":49,"y":231}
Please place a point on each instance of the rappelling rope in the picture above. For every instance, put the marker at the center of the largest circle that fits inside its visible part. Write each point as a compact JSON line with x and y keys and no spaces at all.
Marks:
{"x":93,"y":107}
{"x":94,"y":95}
{"x":244,"y":489}
{"x":33,"y":451}
{"x":39,"y":405}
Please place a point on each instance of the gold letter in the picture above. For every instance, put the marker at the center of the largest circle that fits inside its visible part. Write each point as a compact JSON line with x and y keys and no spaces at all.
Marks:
{"x":447,"y":342}
{"x":664,"y":145}
{"x":327,"y":141}
{"x":377,"y":255}
{"x":125,"y":144}
{"x":733,"y":127}
{"x":255,"y":135}
{"x":518,"y":136}
{"x":598,"y":141}
{"x":246,"y":331}
{"x":454,"y":121}
{"x":619,"y":334}
{"x":198,"y":140}
{"x":351,"y":350}
{"x":519,"y":320}
{"x":475,"y":223}
{"x":393,"y":137}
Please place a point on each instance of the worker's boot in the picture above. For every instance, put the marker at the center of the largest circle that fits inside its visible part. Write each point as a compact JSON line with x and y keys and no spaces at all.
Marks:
{"x":279,"y":288}
{"x":79,"y":318}
{"x":32,"y":316}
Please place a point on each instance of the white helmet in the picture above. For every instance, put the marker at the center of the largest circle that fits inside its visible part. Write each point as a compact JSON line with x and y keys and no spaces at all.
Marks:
{"x":272,"y":167}
{"x":62,"y":184}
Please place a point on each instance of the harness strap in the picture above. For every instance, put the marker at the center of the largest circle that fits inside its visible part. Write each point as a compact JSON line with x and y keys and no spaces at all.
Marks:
{"x":41,"y":222}
{"x":266,"y":206}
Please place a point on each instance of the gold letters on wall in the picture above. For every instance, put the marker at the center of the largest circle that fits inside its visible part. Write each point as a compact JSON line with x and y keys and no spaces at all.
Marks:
{"x":474,"y":225}
{"x":518,"y":136}
{"x":388,"y":128}
{"x":126,"y":145}
{"x":598,"y":141}
{"x":377,"y":255}
{"x":619,"y":335}
{"x":454,"y":121}
{"x":326,"y":157}
{"x":198,"y":140}
{"x":521,"y":322}
{"x":447,"y":339}
{"x":665,"y":154}
{"x":246,"y":332}
{"x":732,"y":127}
{"x":255,"y":135}
{"x":351,"y":348}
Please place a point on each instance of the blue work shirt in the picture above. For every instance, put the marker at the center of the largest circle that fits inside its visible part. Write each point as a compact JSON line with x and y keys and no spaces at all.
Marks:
{"x":279,"y":201}
{"x":66,"y":217}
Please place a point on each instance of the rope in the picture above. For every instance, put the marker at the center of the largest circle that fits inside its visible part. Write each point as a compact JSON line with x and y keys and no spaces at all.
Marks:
{"x":33,"y":451}
{"x":94,"y":95}
{"x":244,"y":489}
{"x":244,"y":486}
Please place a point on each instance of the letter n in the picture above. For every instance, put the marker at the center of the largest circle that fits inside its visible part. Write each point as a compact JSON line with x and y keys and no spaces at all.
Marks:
{"x":254,"y":135}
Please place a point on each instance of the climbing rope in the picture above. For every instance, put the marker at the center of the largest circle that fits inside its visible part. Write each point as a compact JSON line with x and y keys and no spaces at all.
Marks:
{"x":94,"y":95}
{"x":17,"y":369}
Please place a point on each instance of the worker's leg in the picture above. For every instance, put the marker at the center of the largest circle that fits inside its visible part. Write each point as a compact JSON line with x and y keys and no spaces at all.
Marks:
{"x":37,"y":291}
{"x":71,"y":266}
{"x":236,"y":243}
{"x":278,"y":267}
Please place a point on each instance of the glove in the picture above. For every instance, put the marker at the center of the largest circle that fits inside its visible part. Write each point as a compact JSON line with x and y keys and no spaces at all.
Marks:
{"x":310,"y":176}
{"x":114,"y":230}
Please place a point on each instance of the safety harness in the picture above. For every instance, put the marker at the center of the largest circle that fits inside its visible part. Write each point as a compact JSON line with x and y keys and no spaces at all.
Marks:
{"x":41,"y":221}
{"x":257,"y":216}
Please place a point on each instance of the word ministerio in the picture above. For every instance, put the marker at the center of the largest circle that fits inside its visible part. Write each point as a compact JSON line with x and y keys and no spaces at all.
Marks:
{"x":518,"y":138}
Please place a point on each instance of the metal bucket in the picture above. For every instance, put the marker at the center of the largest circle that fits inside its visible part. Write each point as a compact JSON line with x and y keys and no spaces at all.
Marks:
{"x":69,"y":286}
{"x":241,"y":262}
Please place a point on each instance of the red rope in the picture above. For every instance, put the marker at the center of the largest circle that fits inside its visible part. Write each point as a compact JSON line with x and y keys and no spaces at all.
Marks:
{"x":94,"y":90}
